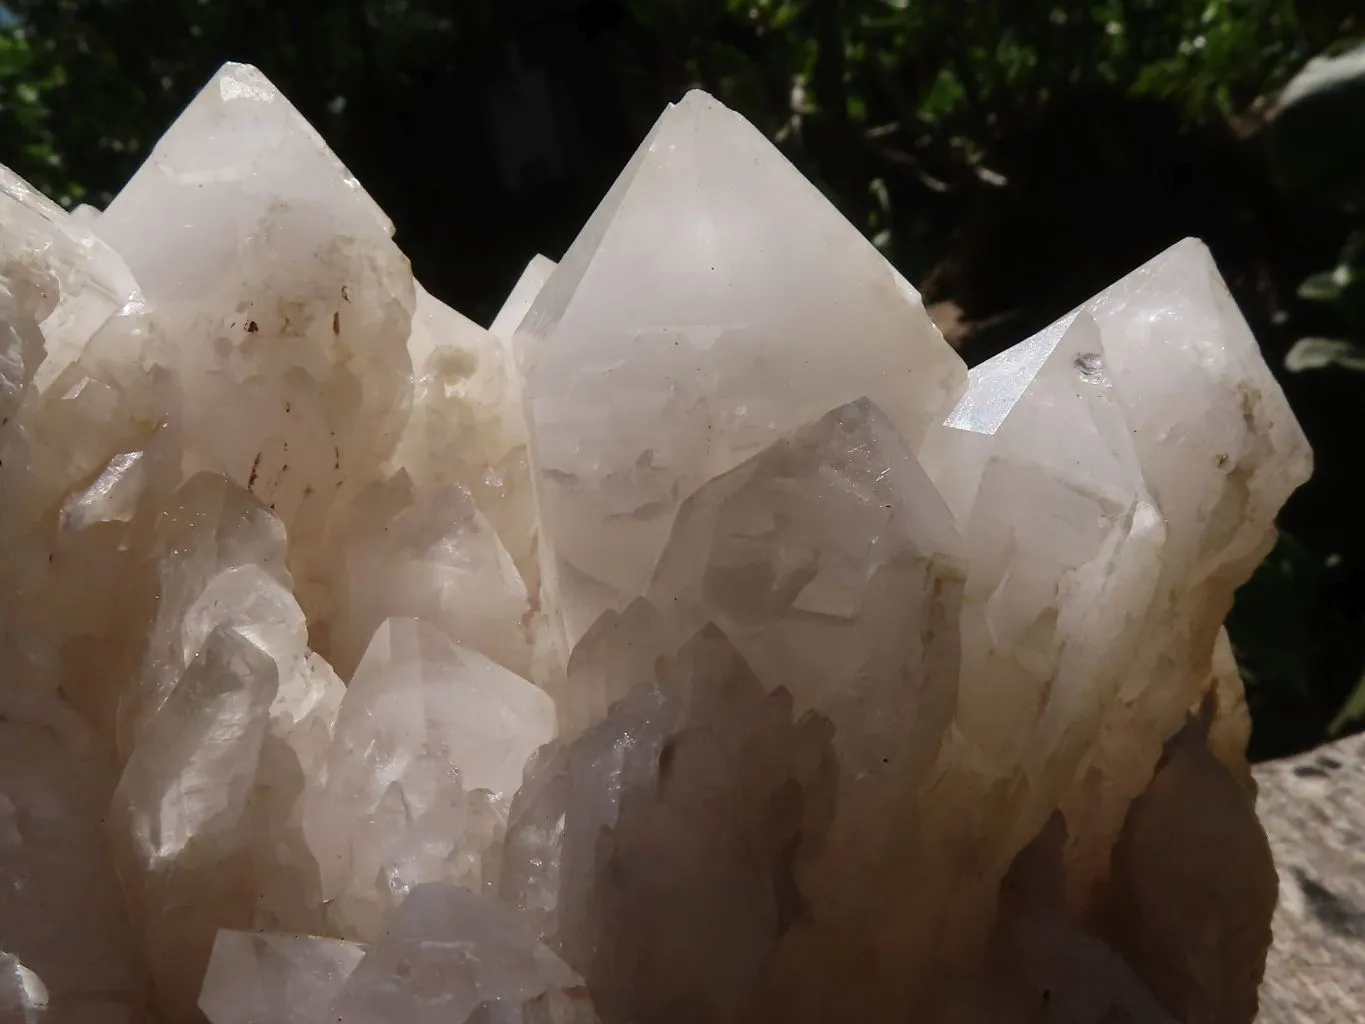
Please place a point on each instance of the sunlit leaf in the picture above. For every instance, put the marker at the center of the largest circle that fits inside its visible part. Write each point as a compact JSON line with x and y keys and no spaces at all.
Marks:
{"x":1325,"y":286}
{"x":1321,"y":353}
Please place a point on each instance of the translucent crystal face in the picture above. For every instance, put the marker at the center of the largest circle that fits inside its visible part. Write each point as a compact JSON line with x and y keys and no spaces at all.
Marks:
{"x":255,"y":977}
{"x":714,"y":303}
{"x":699,"y":643}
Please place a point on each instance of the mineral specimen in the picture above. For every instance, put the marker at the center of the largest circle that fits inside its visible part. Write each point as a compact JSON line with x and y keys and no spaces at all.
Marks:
{"x":699,"y":643}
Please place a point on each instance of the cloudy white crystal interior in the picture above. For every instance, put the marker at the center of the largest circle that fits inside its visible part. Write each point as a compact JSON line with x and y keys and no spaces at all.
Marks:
{"x":699,"y":643}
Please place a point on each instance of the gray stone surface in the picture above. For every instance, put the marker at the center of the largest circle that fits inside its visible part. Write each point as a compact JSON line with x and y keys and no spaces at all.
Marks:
{"x":1313,"y":807}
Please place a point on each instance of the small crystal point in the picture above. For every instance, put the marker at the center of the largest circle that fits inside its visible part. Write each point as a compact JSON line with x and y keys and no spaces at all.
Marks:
{"x":704,"y":778}
{"x":87,"y":283}
{"x":429,"y":746}
{"x":256,"y":978}
{"x":429,"y":554}
{"x":24,"y":998}
{"x":811,"y":557}
{"x":448,"y":956}
{"x":220,"y":562}
{"x":467,"y":427}
{"x":521,"y":298}
{"x":181,"y":813}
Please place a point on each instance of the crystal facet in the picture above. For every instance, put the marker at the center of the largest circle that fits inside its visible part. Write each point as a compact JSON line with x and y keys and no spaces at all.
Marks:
{"x":657,"y":850}
{"x":460,"y":956}
{"x":280,"y":979}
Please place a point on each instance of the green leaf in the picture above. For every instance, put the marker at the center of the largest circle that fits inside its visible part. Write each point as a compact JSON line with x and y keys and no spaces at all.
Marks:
{"x":1324,"y":286}
{"x":1321,"y":353}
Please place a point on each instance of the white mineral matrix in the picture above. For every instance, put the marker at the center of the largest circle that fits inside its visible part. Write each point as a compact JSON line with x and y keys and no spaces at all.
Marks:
{"x":700,"y":644}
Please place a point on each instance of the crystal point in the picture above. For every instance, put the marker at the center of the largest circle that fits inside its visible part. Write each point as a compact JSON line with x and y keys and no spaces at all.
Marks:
{"x":656,"y":851}
{"x":289,"y":302}
{"x":429,"y":746}
{"x":687,"y":328}
{"x":433,"y":555}
{"x":449,"y":956}
{"x":181,"y":811}
{"x":1096,"y":487}
{"x":467,"y":428}
{"x":256,"y":978}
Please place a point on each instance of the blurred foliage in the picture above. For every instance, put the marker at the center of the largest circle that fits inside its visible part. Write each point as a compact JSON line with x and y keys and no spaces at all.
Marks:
{"x":26,"y":128}
{"x":876,"y":94}
{"x":1015,"y":155}
{"x":1312,"y":149}
{"x":1315,"y":151}
{"x":1321,"y":353}
{"x":867,"y":93}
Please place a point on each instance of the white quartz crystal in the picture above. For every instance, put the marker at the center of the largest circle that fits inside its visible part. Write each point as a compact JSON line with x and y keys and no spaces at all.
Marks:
{"x":288,"y":301}
{"x":182,"y":811}
{"x":89,"y":283}
{"x":832,"y":565}
{"x":83,"y":443}
{"x":445,"y":955}
{"x":1174,"y":467}
{"x":429,"y":748}
{"x":430,"y":555}
{"x":230,"y":715}
{"x":467,"y":428}
{"x":699,"y":643}
{"x":714,"y":302}
{"x":1221,"y":451}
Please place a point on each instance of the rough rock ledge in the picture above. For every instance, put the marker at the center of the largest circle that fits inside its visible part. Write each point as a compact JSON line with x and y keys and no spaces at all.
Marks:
{"x":1313,"y":809}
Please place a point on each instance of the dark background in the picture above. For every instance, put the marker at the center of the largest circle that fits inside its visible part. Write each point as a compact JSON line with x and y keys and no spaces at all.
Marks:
{"x":1012,"y":157}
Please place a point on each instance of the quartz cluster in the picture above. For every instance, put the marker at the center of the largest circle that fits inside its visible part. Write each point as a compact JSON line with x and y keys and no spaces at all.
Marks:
{"x":701,"y":643}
